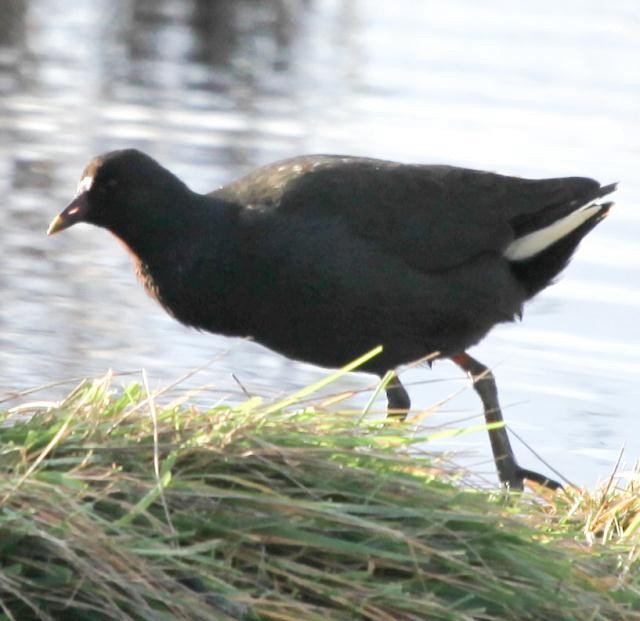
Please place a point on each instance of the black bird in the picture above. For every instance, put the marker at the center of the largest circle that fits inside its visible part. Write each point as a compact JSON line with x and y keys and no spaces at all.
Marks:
{"x":324,"y":257}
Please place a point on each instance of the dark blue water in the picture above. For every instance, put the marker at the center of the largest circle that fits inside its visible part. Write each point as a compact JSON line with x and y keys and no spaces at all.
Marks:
{"x":212,"y":89}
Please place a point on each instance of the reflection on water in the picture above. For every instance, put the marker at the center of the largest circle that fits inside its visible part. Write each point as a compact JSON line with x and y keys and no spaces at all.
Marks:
{"x":214,"y":88}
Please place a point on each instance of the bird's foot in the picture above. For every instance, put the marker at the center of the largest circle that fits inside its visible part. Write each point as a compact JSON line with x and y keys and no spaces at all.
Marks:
{"x":523,"y":474}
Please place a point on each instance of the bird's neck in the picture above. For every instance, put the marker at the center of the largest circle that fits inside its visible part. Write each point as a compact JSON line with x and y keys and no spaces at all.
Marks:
{"x":181,"y":260}
{"x":173,"y":230}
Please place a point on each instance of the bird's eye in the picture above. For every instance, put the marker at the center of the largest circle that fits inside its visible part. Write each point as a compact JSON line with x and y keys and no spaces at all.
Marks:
{"x":107,"y":185}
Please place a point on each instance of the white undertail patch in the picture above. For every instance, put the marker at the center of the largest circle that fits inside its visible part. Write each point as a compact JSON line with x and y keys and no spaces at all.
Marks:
{"x":535,"y":242}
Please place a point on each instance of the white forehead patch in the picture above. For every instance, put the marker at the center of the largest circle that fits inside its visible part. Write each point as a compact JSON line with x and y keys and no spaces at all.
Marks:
{"x":84,"y":185}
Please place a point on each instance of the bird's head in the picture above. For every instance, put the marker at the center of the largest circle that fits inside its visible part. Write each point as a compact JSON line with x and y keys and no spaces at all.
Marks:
{"x":123,"y":191}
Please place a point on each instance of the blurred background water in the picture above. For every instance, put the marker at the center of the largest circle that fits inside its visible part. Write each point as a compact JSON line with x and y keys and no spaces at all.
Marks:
{"x":214,"y":88}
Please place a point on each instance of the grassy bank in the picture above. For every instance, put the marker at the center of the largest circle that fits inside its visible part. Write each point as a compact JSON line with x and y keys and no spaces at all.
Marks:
{"x":114,"y":506}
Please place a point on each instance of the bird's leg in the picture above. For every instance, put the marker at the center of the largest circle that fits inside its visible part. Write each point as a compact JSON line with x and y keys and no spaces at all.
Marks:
{"x":509,"y":472}
{"x":398,"y":402}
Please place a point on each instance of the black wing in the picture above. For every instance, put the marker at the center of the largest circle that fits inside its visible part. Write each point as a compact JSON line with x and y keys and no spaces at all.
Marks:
{"x":433,"y":217}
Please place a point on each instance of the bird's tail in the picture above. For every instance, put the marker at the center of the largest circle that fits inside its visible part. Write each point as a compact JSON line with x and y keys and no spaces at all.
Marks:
{"x":539,"y":253}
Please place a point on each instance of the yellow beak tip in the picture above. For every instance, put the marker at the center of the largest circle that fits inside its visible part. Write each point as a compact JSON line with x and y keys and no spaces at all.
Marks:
{"x":54,"y":226}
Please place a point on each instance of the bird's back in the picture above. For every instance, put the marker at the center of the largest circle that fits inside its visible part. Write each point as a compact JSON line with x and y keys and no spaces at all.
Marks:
{"x":433,"y":217}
